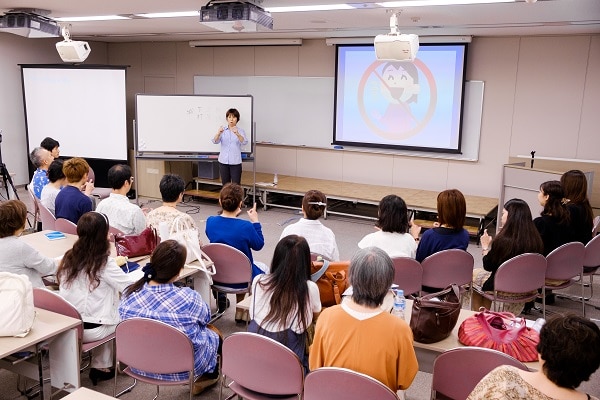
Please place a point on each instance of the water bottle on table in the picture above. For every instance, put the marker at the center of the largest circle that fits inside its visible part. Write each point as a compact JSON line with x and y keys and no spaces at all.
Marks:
{"x":399,"y":303}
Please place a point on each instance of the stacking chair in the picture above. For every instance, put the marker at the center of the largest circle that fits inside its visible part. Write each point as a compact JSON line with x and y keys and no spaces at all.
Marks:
{"x":51,"y":301}
{"x":565,"y":263}
{"x":340,"y":383}
{"x":317,"y":257}
{"x":524,"y":273}
{"x":408,"y":274}
{"x":260,"y":368}
{"x":154,"y":347}
{"x":98,"y":192}
{"x":36,"y":207}
{"x":591,"y":262}
{"x":233,"y":268}
{"x":456,"y":372}
{"x":447,"y":267}
{"x":65,"y":226}
{"x":48,"y":219}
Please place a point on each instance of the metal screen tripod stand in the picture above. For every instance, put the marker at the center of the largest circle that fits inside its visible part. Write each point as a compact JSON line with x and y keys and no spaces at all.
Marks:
{"x":6,"y":179}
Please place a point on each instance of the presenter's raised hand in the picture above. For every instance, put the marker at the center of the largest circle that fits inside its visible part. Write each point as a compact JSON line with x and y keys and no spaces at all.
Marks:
{"x":252,"y":214}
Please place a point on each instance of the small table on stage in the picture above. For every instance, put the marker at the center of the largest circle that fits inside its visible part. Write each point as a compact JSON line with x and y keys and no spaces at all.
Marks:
{"x":426,"y":353}
{"x":60,"y":363}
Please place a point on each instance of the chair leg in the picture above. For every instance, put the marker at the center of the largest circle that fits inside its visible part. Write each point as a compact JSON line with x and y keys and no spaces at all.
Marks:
{"x":544,"y":302}
{"x":126,"y":390}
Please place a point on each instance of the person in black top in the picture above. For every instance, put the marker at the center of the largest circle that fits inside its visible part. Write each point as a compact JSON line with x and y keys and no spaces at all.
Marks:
{"x":575,"y":187}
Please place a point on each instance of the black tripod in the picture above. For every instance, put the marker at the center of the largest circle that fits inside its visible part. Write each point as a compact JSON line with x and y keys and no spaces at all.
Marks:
{"x":6,"y":179}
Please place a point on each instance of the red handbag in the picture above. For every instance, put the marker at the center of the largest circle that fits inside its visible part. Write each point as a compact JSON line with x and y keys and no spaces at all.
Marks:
{"x":137,"y":245}
{"x":500,"y":331}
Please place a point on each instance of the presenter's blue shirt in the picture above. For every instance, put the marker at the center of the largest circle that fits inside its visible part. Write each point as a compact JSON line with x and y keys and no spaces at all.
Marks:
{"x":231,"y":147}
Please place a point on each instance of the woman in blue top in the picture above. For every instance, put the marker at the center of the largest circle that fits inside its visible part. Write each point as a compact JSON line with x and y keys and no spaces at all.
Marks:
{"x":232,"y":138}
{"x":448,"y":232}
{"x":156,"y":297}
{"x":241,"y":234}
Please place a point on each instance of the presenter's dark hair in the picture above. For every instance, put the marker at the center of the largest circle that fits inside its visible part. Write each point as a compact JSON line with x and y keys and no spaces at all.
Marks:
{"x":287,"y":282}
{"x":555,"y":205}
{"x":575,"y":186}
{"x":231,"y":196}
{"x":371,"y":273}
{"x":314,"y":211}
{"x":570,"y":347}
{"x":234,"y":112}
{"x":13,"y":214}
{"x":518,"y":235}
{"x":451,"y":208}
{"x":393,"y":214}
{"x":49,"y":144}
{"x":75,"y":168}
{"x":55,"y":170}
{"x":171,"y":186}
{"x":89,"y":253}
{"x":118,"y":175}
{"x":167,"y":260}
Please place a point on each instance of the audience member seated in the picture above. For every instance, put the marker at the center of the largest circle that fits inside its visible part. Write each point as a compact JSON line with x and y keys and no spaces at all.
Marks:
{"x":155,"y":296}
{"x":52,"y":146}
{"x":553,"y":222}
{"x":16,"y":256}
{"x":517,"y":236}
{"x":581,"y":214}
{"x":392,"y":234}
{"x":73,"y":200}
{"x":57,"y":181}
{"x":285,"y":301}
{"x":359,"y":335}
{"x":171,"y":190}
{"x":241,"y":234}
{"x":41,"y":160}
{"x":91,"y":281}
{"x":122,"y":214}
{"x":321,"y":239}
{"x":569,"y":353}
{"x":448,"y":232}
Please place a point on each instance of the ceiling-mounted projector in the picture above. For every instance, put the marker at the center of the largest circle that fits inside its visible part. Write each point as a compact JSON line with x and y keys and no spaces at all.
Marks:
{"x":30,"y":23}
{"x":235,"y":16}
{"x":72,"y":50}
{"x":395,"y":46}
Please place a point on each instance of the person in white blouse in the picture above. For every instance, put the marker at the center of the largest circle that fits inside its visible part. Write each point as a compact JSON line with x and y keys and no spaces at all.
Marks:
{"x":321,"y":239}
{"x":393,"y":235}
{"x":122,"y":214}
{"x":16,"y":256}
{"x":91,"y":281}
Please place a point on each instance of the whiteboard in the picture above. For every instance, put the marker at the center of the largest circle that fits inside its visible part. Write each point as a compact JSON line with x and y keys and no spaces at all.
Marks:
{"x":186,"y":124}
{"x":298,"y":111}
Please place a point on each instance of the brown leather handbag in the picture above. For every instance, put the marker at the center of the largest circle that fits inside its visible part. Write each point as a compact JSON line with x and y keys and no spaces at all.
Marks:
{"x":332,"y":279}
{"x":435,"y":315}
{"x":141,"y":244}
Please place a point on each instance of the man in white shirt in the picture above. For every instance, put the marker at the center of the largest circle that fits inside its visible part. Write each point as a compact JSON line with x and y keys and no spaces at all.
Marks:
{"x":121,"y":213}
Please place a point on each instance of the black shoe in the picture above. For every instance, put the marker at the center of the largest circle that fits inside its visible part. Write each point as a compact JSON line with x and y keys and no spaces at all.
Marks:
{"x":98,"y":375}
{"x":223,"y":304}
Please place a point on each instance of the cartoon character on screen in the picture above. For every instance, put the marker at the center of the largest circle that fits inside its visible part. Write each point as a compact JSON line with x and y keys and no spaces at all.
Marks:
{"x":400,"y":86}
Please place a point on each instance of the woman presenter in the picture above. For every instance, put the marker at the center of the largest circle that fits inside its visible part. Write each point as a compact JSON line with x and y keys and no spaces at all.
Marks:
{"x":232,"y":138}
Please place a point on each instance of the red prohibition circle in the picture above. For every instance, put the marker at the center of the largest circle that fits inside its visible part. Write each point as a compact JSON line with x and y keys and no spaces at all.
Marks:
{"x":398,"y":135}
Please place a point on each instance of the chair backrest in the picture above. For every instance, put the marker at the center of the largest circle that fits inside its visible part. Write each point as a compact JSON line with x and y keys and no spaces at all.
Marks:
{"x":521,"y":274}
{"x":65,"y":226}
{"x":231,"y":264}
{"x":446,"y":267}
{"x":153,"y":346}
{"x":340,"y":383}
{"x":456,"y":372}
{"x":36,"y":205}
{"x":315,"y":257}
{"x":262,"y":364}
{"x":91,"y":175}
{"x":408,"y":274}
{"x":48,"y":219}
{"x":51,"y":301}
{"x":592,"y":253}
{"x":566,"y":261}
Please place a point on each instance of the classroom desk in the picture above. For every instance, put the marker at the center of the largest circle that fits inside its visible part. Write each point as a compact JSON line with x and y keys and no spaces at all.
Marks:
{"x":87,"y":394}
{"x":426,"y":353}
{"x":60,"y":364}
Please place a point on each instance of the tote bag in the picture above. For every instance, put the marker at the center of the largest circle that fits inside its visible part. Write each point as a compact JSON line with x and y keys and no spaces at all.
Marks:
{"x":17,"y":312}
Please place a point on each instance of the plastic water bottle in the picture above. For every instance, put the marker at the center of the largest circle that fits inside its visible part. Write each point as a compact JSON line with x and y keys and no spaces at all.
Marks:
{"x":399,"y":303}
{"x":275,"y":180}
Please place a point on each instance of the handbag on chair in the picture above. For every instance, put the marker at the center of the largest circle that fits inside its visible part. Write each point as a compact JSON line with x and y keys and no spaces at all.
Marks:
{"x":434,"y":316}
{"x":500,"y":331}
{"x":141,"y":244}
{"x":332,"y":280}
